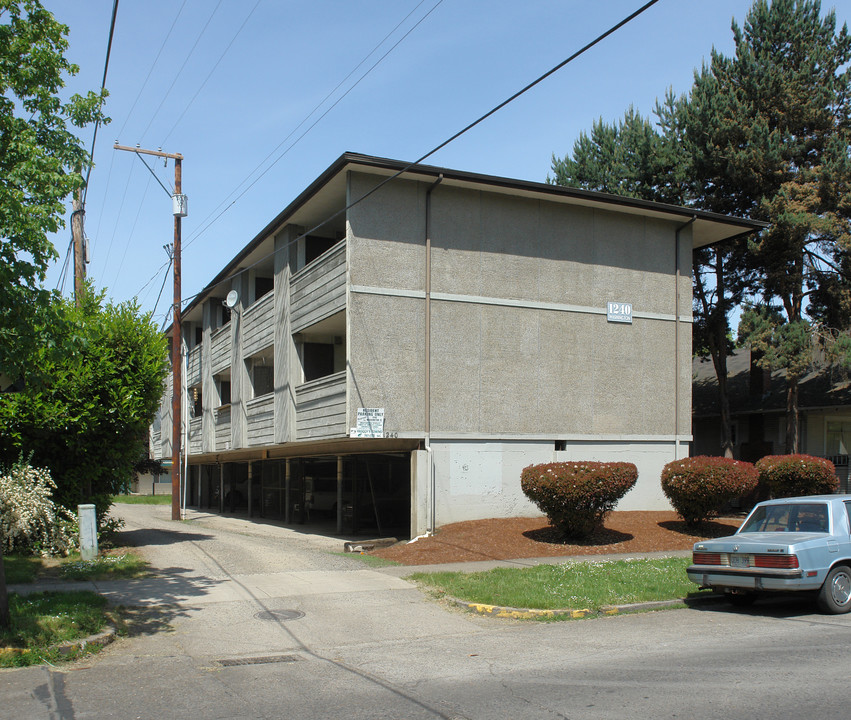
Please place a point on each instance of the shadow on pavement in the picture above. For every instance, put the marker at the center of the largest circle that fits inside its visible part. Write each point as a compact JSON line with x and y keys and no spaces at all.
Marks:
{"x":781,"y":606}
{"x":138,"y":538}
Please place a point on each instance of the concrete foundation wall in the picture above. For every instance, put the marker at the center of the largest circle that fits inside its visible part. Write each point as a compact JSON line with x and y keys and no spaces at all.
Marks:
{"x":480,"y":479}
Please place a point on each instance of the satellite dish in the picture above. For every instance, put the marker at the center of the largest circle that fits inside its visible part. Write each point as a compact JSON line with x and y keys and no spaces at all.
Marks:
{"x":231,"y":300}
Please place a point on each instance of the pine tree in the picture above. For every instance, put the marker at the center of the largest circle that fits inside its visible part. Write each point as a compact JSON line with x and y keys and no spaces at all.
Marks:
{"x":769,"y":131}
{"x":764,"y":134}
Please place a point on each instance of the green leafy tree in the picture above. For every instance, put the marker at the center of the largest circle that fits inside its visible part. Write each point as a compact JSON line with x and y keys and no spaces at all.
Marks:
{"x":39,"y":158}
{"x":39,"y":154}
{"x":88,"y":421}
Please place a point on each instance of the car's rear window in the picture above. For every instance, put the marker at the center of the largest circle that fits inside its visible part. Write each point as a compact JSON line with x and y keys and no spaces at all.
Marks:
{"x":794,"y":517}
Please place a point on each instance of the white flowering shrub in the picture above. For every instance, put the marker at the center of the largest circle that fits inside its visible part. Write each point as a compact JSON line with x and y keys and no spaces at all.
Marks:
{"x":30,"y":522}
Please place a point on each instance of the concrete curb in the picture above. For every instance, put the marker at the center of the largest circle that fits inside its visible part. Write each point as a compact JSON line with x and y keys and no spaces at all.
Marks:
{"x":98,"y":640}
{"x":531,"y":613}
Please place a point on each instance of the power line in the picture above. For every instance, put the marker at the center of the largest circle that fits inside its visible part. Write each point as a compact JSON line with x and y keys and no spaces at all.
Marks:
{"x":132,"y":230}
{"x":102,"y":88}
{"x":151,"y":69}
{"x":165,"y":277}
{"x":60,"y":285}
{"x":117,"y":217}
{"x":210,"y":74}
{"x":204,"y":228}
{"x":180,"y":70}
{"x":408,"y":167}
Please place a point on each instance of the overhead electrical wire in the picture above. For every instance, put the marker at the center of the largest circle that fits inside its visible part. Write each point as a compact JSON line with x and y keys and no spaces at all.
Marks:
{"x":210,"y":74}
{"x":431,"y":152}
{"x":132,"y":231}
{"x":151,"y":69}
{"x":102,"y":88}
{"x":165,"y":277}
{"x":204,"y":227}
{"x":118,"y":216}
{"x":180,"y":69}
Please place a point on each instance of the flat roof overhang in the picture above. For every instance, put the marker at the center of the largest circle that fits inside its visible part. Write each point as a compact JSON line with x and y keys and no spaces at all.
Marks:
{"x":308,"y":448}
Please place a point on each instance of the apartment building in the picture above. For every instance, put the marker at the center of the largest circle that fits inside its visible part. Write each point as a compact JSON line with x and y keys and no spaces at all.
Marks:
{"x":394,"y":347}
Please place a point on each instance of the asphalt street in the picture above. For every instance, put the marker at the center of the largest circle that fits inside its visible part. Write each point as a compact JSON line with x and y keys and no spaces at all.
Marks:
{"x":251,"y":620}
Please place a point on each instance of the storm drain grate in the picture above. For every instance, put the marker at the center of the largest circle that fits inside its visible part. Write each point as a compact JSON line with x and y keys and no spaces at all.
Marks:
{"x":231,"y":662}
{"x":279,"y":615}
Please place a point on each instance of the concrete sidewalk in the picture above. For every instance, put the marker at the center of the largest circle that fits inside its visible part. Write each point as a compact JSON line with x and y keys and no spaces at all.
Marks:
{"x":175,"y":585}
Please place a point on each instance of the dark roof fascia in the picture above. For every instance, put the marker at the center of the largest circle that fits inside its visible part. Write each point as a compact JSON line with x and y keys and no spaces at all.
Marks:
{"x":397,"y":166}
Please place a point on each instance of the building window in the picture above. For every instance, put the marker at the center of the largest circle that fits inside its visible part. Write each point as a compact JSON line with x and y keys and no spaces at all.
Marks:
{"x":315,"y":246}
{"x":196,"y":404}
{"x":262,"y":286}
{"x":318,"y":360}
{"x":838,"y":437}
{"x":261,"y":373}
{"x":223,"y":389}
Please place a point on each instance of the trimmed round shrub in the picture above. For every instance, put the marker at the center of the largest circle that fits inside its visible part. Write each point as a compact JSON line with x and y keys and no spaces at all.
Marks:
{"x":793,"y":475}
{"x":698,"y":487}
{"x":577,"y":496}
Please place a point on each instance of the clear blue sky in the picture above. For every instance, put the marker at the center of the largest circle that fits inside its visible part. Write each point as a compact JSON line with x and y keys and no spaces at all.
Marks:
{"x":234,"y":78}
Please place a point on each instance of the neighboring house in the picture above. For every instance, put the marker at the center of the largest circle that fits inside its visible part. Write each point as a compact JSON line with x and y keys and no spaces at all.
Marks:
{"x":469,"y":312}
{"x":758,"y":412}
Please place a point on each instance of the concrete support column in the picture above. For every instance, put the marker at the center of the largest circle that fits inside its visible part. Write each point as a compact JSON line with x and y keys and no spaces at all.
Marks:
{"x":286,"y":360}
{"x":287,"y":478}
{"x":339,"y":494}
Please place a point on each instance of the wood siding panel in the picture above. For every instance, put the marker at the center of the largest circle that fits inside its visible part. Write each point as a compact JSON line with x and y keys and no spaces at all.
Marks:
{"x":193,"y":367}
{"x":261,"y":420}
{"x":321,"y":408}
{"x":258,"y":328}
{"x":319,"y":290}
{"x":195,"y":436}
{"x":223,"y":428}
{"x":220,"y":349}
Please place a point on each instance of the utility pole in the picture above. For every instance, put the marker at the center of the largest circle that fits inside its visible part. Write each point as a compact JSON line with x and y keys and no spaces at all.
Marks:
{"x":78,"y":235}
{"x":179,"y":211}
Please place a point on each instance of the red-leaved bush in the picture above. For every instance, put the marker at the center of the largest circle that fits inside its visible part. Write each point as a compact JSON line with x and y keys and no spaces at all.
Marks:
{"x":792,"y":475}
{"x":577,"y":496}
{"x":698,"y":487}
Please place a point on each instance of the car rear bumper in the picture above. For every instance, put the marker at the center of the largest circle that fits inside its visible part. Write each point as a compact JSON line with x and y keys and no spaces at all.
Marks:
{"x":753,"y":578}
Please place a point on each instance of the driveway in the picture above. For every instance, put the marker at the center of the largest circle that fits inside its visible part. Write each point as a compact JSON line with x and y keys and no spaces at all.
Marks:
{"x":260,"y":622}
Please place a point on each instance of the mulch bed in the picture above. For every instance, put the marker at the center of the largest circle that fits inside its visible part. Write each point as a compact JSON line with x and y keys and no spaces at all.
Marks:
{"x":513,"y":538}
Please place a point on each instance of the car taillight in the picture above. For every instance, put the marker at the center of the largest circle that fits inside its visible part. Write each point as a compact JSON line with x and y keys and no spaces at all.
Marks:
{"x":705,"y":558}
{"x":783,"y":562}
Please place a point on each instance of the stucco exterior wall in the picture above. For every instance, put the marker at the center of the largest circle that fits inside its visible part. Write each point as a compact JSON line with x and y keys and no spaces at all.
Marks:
{"x":520,"y":341}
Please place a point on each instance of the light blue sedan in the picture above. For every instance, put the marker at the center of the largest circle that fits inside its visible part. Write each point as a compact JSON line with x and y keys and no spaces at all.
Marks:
{"x":800,"y":543}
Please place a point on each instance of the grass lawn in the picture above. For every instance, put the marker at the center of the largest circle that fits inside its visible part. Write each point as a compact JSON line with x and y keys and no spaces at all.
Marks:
{"x":21,"y":569}
{"x":569,"y":585}
{"x":41,"y":620}
{"x":111,"y":565}
{"x":142,"y":499}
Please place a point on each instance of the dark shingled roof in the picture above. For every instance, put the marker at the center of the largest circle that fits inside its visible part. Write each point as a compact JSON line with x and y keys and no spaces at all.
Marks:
{"x":821,"y":387}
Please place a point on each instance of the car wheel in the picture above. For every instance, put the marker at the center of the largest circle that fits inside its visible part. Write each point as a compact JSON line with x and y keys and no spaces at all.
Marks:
{"x":741,"y":599}
{"x":835,"y":595}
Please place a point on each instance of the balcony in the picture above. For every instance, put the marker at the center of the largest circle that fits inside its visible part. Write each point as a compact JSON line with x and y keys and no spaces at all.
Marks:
{"x":220,"y":349}
{"x":223,"y":433}
{"x":193,"y":367}
{"x":195,"y":436}
{"x":258,"y":325}
{"x":318,"y":290}
{"x":321,"y":408}
{"x":260,"y":415}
